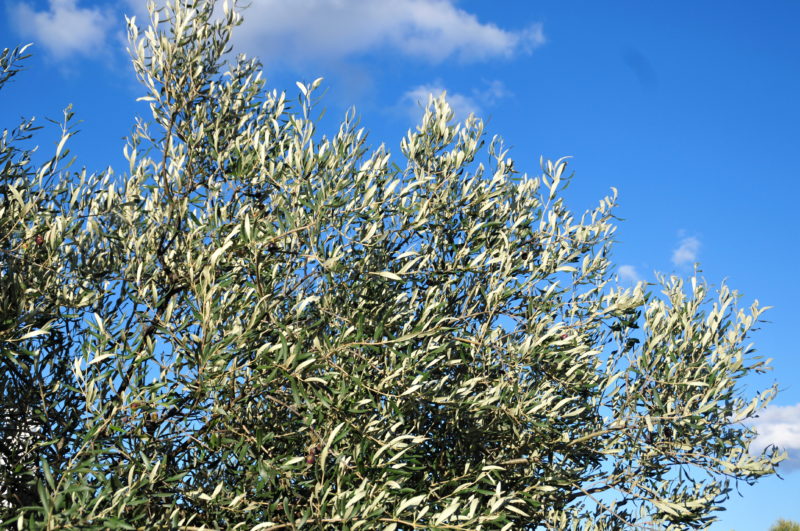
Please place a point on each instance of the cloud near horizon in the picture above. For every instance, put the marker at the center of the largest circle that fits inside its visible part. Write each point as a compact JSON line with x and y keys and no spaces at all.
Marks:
{"x":779,"y":425}
{"x":64,"y":29}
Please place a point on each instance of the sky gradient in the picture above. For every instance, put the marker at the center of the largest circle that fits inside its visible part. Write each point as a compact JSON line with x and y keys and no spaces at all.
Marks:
{"x":689,"y":110}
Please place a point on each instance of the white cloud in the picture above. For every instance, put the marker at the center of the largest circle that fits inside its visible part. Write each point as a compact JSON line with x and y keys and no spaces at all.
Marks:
{"x":779,"y":425}
{"x":308,"y":30}
{"x":686,"y":251}
{"x":64,"y":29}
{"x":414,"y":101}
{"x":628,"y":274}
{"x":496,"y":91}
{"x":138,"y":8}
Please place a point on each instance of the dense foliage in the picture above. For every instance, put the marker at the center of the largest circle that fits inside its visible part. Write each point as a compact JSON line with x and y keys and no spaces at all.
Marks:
{"x":785,"y":525}
{"x":258,"y":328}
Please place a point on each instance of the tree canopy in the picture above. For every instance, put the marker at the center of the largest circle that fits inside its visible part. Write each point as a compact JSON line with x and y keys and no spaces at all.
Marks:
{"x":785,"y":525}
{"x":256,"y":327}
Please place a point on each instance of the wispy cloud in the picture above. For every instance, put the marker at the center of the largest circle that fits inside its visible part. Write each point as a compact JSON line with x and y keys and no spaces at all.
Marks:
{"x":138,"y":8}
{"x":300,"y":30}
{"x":779,"y":425}
{"x":686,"y":252}
{"x":64,"y":29}
{"x":434,"y":30}
{"x":414,"y":100}
{"x":628,"y":274}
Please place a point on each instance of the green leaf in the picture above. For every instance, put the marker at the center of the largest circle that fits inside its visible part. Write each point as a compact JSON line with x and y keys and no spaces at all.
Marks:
{"x":387,"y":274}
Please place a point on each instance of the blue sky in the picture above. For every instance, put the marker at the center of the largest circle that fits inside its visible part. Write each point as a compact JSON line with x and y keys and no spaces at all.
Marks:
{"x":689,"y":109}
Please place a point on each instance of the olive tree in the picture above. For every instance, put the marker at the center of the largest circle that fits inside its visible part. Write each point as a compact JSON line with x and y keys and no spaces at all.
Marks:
{"x":258,"y":327}
{"x":47,"y":274}
{"x":785,"y":525}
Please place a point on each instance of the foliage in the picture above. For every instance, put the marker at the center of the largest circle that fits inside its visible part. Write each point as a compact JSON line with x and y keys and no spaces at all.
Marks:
{"x":785,"y":525}
{"x":255,"y":328}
